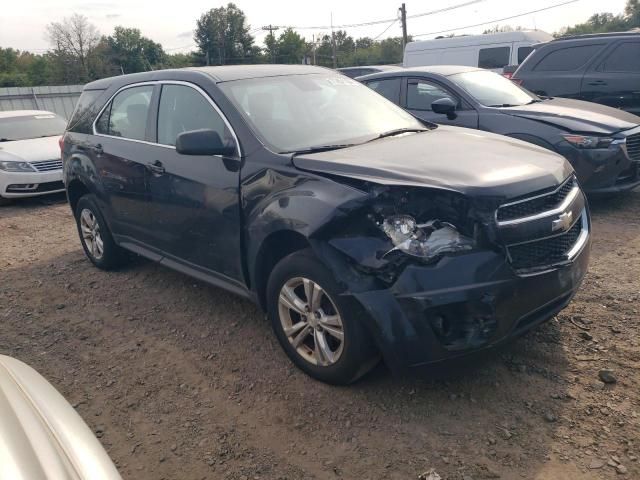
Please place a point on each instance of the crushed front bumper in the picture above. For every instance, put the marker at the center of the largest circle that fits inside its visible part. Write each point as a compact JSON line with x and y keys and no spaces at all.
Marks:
{"x":464,"y":304}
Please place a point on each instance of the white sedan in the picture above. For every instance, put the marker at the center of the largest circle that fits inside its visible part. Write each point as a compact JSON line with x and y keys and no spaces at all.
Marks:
{"x":30,"y":161}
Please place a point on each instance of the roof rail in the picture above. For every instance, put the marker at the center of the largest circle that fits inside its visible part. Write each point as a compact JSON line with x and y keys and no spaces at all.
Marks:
{"x":597,"y":35}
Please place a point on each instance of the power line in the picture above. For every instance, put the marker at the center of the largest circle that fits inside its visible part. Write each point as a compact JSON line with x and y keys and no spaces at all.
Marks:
{"x":385,"y":30}
{"x":387,"y":20}
{"x":498,"y":19}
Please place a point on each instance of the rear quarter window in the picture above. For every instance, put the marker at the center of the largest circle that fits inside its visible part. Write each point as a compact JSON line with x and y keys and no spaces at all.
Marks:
{"x":85,"y":110}
{"x":568,"y":59}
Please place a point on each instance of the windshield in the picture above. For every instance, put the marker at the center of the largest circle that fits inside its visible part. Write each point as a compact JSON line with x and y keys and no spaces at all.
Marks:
{"x":31,"y":126}
{"x":492,"y":90}
{"x":299,"y":112}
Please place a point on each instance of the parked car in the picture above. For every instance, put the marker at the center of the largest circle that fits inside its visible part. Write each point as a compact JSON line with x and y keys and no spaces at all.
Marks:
{"x":42,"y":436}
{"x":491,"y":51}
{"x":360,"y":230}
{"x":358,"y":71}
{"x":602,"y":68}
{"x":30,"y":161}
{"x":602,"y":143}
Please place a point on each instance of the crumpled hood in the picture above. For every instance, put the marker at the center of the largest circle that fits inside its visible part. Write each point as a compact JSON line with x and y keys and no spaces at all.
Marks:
{"x":467,"y":161}
{"x":41,"y":435}
{"x":577,"y":116}
{"x":33,"y":149}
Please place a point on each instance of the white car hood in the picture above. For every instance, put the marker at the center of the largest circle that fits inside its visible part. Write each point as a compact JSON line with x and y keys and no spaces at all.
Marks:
{"x":41,"y":435}
{"x":33,"y":149}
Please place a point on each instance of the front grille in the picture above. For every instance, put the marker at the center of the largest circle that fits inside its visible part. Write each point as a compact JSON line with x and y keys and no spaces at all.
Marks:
{"x":47,"y":165}
{"x":540,"y":204}
{"x":548,"y":251}
{"x":633,"y":147}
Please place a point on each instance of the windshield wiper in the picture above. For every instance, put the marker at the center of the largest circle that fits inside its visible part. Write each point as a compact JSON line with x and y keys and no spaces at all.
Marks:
{"x":5,"y":139}
{"x":504,"y":105}
{"x":320,"y":148}
{"x":398,"y":131}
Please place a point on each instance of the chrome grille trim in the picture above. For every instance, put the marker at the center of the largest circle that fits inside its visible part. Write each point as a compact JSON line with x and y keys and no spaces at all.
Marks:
{"x":633,"y":147}
{"x":47,"y":165}
{"x":568,"y":200}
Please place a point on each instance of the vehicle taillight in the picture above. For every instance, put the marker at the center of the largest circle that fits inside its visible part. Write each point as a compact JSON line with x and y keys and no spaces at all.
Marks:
{"x":507,"y":75}
{"x":61,"y":144}
{"x":518,"y":81}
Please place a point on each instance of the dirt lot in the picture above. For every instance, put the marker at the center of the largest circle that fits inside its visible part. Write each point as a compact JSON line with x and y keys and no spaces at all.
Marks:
{"x":184,"y":381}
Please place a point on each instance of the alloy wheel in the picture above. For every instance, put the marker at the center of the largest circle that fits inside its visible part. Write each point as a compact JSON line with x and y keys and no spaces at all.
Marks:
{"x":311,"y":321}
{"x":91,"y":235}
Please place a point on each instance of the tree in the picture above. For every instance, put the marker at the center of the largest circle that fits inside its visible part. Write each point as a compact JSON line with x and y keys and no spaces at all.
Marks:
{"x":289,"y":48}
{"x":222,"y":36}
{"x":131,"y":52}
{"x":608,"y":22}
{"x":73,"y":41}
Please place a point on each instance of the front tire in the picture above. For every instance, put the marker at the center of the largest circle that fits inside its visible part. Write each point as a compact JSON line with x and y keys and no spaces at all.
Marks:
{"x":319,"y":329}
{"x":95,"y":236}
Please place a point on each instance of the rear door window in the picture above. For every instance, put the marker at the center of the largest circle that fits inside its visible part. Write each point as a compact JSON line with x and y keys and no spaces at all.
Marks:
{"x":126,"y":115}
{"x":497,"y":57}
{"x":568,"y":59}
{"x":387,"y":87}
{"x":184,"y":109}
{"x":523,"y":53}
{"x":422,"y":93}
{"x":625,"y":58}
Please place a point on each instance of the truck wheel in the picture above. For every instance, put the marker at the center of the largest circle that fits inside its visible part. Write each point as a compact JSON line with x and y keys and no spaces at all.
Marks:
{"x":320,"y":330}
{"x":96,"y":239}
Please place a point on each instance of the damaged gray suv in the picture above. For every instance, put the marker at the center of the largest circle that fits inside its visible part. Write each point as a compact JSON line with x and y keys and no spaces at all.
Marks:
{"x":363,"y":232}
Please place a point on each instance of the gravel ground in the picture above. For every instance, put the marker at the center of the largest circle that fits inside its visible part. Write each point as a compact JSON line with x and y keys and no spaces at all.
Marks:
{"x":182,"y":380}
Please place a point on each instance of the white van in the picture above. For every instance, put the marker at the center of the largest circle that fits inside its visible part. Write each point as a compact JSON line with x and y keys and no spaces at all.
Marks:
{"x":492,"y":51}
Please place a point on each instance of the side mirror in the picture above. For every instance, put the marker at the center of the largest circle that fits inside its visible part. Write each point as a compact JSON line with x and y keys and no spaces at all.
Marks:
{"x":202,"y":142}
{"x":445,"y":106}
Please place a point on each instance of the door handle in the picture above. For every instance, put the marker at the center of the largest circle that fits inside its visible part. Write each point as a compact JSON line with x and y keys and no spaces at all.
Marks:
{"x":597,"y":83}
{"x":97,"y":148}
{"x":156,"y":167}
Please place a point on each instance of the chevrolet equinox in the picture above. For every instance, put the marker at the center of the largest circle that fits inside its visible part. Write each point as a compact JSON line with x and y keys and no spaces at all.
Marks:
{"x":361,"y":231}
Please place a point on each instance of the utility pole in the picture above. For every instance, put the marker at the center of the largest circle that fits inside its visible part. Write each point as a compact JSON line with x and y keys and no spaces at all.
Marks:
{"x":313,"y":41}
{"x":333,"y":45}
{"x":272,"y":28}
{"x":403,"y":19}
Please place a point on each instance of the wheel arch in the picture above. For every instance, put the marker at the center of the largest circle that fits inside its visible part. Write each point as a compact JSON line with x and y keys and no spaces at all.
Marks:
{"x":76,"y":189}
{"x":274,"y":248}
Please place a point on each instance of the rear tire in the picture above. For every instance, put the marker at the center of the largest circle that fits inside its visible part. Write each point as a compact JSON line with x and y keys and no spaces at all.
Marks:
{"x":324,"y":335}
{"x":95,"y":236}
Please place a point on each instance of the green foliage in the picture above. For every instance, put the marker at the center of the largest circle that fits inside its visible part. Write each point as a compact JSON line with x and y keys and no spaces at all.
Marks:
{"x":608,"y":22}
{"x":79,"y":53}
{"x":222,"y":36}
{"x":132,"y":52}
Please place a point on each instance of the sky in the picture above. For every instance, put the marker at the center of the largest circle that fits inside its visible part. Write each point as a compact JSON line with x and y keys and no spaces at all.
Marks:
{"x":171,"y":22}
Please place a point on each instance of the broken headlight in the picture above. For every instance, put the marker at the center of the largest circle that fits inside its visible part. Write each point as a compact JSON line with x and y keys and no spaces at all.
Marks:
{"x":425,"y":241}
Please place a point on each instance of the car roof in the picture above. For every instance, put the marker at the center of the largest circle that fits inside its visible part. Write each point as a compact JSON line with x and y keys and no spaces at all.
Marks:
{"x":444,"y":70}
{"x":596,"y":35}
{"x":382,"y":68}
{"x":224,"y":73}
{"x":23,"y":113}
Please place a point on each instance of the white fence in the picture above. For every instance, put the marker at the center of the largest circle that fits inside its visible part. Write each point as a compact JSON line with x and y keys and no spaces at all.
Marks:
{"x":60,"y":100}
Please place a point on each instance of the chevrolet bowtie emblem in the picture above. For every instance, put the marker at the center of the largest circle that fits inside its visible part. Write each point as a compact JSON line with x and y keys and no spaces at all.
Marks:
{"x":563,"y":222}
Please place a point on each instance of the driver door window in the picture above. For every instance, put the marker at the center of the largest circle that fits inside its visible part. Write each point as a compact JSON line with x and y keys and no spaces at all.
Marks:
{"x":422,"y":93}
{"x":184,"y":109}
